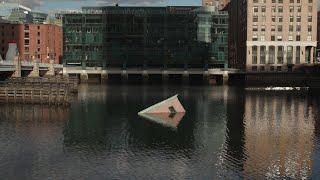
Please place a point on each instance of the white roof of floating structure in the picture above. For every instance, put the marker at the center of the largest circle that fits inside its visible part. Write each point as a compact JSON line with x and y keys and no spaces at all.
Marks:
{"x":168,"y":113}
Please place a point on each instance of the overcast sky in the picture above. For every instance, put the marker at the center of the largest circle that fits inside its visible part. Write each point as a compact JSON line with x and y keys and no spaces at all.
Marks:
{"x":49,"y":5}
{"x":53,"y":5}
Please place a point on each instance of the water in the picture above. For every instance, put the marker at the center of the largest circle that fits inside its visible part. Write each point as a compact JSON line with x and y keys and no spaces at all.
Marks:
{"x":227,"y":133}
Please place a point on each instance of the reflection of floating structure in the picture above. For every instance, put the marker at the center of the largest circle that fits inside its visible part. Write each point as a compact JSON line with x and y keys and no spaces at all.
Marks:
{"x":168,"y":112}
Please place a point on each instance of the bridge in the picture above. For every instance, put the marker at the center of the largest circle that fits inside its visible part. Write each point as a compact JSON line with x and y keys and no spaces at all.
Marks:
{"x":104,"y":74}
{"x":26,"y":68}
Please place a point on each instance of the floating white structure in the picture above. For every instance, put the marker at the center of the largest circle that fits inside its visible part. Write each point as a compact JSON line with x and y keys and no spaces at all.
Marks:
{"x":168,"y":112}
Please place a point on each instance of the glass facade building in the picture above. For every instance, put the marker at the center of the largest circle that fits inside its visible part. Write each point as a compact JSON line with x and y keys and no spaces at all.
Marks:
{"x":173,"y":37}
{"x":15,"y":12}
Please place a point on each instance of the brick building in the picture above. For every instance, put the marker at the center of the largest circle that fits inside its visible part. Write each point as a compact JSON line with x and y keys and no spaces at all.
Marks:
{"x":33,"y":40}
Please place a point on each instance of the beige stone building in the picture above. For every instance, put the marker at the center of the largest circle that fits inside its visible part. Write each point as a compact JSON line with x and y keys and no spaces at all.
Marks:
{"x":272,"y":35}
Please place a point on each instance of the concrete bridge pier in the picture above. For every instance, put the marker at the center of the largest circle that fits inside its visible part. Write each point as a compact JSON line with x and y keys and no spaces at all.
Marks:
{"x":124,"y":76}
{"x":84,"y":76}
{"x":50,"y":71}
{"x":145,"y":77}
{"x":206,"y":77}
{"x":225,"y":78}
{"x":185,"y":77}
{"x":165,"y":77}
{"x":36,"y":69}
{"x":17,"y":66}
{"x":104,"y":76}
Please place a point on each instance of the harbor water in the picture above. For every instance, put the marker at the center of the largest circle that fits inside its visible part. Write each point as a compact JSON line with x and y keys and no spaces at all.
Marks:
{"x":226,"y":133}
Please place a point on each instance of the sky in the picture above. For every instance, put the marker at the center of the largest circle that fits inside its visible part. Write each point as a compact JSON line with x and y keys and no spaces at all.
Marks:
{"x":54,"y":5}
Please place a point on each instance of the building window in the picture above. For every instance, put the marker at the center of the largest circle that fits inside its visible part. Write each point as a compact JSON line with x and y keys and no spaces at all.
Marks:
{"x":254,"y":38}
{"x":280,"y":55}
{"x":279,"y":68}
{"x":254,"y":68}
{"x":271,"y":68}
{"x":290,"y":28}
{"x":291,"y":18}
{"x":38,"y":41}
{"x":271,"y":55}
{"x":255,"y":28}
{"x":299,"y":9}
{"x":279,"y":38}
{"x":290,"y":55}
{"x":262,"y":55}
{"x":291,"y":9}
{"x":254,"y":54}
{"x":298,"y":55}
{"x":273,"y":38}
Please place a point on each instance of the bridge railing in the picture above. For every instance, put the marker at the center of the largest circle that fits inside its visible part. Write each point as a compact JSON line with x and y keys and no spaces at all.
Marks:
{"x":6,"y":63}
{"x":31,"y":64}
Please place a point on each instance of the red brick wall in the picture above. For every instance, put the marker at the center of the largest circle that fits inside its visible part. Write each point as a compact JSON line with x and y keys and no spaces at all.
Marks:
{"x":49,"y":37}
{"x":9,"y":33}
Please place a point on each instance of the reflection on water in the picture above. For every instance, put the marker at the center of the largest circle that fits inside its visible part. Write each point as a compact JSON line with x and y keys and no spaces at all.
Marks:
{"x":227,"y":132}
{"x":279,"y":135}
{"x":272,"y":136}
